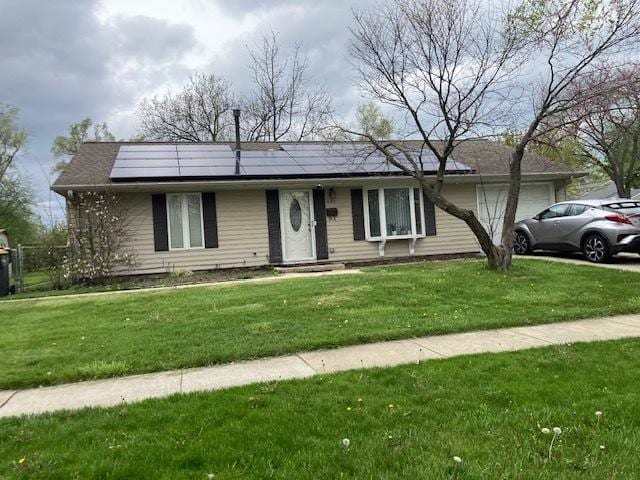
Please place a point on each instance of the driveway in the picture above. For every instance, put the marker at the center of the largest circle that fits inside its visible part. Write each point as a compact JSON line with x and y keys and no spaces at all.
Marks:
{"x":624,"y":261}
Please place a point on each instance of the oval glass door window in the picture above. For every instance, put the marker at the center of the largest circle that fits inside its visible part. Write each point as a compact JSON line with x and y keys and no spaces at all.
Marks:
{"x":295,"y":215}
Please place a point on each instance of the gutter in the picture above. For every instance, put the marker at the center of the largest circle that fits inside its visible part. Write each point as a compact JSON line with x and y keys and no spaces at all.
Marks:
{"x":325,"y":181}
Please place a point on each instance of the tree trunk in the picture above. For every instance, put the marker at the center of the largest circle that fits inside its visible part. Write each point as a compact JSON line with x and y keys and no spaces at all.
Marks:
{"x":498,"y":258}
{"x":623,"y":191}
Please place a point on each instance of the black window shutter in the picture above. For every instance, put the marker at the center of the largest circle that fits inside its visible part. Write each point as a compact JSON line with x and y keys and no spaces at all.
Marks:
{"x":357,"y":213}
{"x":210,"y":220}
{"x":322,"y":250}
{"x":273,"y":225}
{"x":160,"y":232}
{"x":429,"y":216}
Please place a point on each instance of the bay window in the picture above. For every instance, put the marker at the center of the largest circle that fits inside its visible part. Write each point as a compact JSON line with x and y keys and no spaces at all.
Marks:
{"x":393,"y":213}
{"x":184,"y":212}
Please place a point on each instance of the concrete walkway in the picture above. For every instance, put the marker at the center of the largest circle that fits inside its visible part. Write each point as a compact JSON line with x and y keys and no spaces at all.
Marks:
{"x":625,"y":261}
{"x":307,"y":364}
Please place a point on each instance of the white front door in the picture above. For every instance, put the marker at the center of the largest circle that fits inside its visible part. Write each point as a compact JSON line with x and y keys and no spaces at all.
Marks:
{"x":297,"y":223}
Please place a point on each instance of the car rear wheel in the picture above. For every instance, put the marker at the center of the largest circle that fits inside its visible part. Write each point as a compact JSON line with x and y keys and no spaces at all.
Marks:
{"x":596,"y":248}
{"x":521,"y":244}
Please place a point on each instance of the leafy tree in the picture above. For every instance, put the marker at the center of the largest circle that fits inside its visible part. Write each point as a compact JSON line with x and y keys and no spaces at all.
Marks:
{"x":80,"y":132}
{"x":18,"y":210}
{"x":12,"y":137}
{"x":371,"y":121}
{"x":607,"y":130}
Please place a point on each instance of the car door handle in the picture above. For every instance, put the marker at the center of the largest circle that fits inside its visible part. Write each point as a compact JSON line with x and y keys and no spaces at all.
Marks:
{"x":557,"y":222}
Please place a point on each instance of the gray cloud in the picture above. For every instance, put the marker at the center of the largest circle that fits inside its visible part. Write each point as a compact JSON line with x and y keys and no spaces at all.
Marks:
{"x":60,"y":62}
{"x":321,"y":27}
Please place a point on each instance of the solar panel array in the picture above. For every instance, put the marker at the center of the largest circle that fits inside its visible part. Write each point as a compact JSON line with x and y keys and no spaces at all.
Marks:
{"x":184,"y":161}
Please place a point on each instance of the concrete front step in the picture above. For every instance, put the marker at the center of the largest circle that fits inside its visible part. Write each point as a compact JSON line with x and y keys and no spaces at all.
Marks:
{"x":321,"y":267}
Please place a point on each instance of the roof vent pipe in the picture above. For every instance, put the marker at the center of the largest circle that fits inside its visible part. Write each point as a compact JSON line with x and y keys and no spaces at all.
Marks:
{"x":236,"y":118}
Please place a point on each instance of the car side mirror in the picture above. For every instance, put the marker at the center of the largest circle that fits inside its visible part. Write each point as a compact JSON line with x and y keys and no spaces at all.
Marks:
{"x":537,"y":217}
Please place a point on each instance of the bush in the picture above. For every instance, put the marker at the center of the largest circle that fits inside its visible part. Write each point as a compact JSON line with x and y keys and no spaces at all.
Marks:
{"x":98,"y":238}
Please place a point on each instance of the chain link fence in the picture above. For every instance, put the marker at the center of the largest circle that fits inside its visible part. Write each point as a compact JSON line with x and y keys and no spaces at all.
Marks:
{"x":36,"y":268}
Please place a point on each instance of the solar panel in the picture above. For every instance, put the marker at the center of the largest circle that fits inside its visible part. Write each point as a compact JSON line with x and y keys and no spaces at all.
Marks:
{"x":218,"y":160}
{"x":198,"y":147}
{"x":140,"y":172}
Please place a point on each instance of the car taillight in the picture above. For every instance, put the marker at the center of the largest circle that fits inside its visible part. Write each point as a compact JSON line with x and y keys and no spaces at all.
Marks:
{"x":618,"y":219}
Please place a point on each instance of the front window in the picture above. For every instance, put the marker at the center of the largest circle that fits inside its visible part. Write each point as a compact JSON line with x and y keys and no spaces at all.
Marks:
{"x":394,"y":212}
{"x":185,"y":220}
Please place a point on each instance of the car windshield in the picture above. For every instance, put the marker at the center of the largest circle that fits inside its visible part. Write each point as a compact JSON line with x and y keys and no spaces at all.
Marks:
{"x":624,"y":207}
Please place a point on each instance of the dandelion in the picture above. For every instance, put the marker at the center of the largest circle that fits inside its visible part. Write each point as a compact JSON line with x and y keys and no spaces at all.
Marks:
{"x":391,"y":405}
{"x":22,"y":460}
{"x":598,"y":414}
{"x":346,"y":442}
{"x":457,"y":459}
{"x":210,"y":475}
{"x":545,"y":430}
{"x":348,"y":409}
{"x":601,"y":447}
{"x":389,"y":436}
{"x":359,"y":400}
{"x":556,"y":432}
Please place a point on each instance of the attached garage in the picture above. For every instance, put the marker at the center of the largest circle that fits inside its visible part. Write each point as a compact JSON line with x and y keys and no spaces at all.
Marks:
{"x":492,"y":199}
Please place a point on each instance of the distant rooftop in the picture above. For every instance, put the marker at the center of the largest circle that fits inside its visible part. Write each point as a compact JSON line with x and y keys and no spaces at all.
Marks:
{"x":607,"y":191}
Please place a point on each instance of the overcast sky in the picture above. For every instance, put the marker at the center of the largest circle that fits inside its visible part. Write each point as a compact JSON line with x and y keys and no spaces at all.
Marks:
{"x":63,"y":60}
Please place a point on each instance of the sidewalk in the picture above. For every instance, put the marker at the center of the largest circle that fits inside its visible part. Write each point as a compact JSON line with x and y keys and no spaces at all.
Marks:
{"x":307,"y":364}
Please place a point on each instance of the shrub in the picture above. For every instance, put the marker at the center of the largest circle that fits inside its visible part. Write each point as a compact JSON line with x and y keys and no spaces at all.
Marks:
{"x":98,"y":237}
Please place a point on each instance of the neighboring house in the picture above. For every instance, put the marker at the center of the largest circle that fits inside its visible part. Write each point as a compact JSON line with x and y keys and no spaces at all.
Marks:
{"x":198,"y":206}
{"x":606,"y":191}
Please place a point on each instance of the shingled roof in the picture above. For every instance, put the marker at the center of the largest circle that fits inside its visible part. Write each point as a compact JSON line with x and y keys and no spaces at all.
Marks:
{"x":93,"y":163}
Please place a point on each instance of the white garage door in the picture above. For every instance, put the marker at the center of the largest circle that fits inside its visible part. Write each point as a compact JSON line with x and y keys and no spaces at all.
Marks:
{"x":534,"y":197}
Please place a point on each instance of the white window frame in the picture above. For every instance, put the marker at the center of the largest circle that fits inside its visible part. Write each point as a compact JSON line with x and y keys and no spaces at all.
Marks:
{"x":384,"y":235}
{"x":186,"y":236}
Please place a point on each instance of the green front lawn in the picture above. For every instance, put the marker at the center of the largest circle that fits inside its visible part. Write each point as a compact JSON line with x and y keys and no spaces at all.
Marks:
{"x":403,"y":422}
{"x":61,"y":340}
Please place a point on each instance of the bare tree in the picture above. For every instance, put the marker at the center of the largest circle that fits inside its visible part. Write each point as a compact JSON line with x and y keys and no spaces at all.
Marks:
{"x":446,"y":64}
{"x":201,"y":112}
{"x":283,"y":105}
{"x":571,"y":36}
{"x":452,"y":65}
{"x":608,"y":128}
{"x":12,"y":137}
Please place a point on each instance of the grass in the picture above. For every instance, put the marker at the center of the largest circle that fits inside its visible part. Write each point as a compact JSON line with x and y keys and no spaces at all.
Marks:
{"x":60,"y":340}
{"x":38,"y":283}
{"x":37,"y":279}
{"x":402,"y":422}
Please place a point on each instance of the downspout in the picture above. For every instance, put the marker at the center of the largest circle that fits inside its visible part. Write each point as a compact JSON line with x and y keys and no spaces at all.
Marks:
{"x":236,"y":118}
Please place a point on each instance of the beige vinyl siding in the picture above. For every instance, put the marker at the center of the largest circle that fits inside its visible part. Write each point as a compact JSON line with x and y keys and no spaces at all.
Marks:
{"x":242,"y":235}
{"x":453,"y":236}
